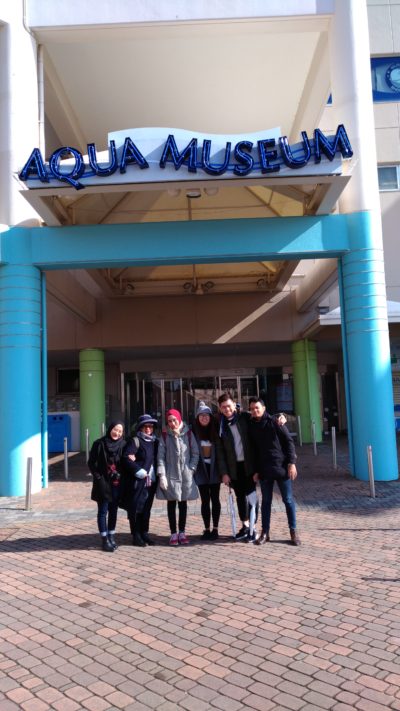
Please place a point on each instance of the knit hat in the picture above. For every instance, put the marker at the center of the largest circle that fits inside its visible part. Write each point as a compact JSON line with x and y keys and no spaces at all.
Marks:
{"x":203,"y":409}
{"x":145,"y":420}
{"x":173,"y":413}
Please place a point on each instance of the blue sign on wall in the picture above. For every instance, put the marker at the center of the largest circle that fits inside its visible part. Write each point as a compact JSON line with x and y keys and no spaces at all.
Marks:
{"x":385,"y":75}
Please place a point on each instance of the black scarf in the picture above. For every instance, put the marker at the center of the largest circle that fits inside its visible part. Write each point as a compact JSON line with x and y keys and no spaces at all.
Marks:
{"x":225,"y":423}
{"x":113,"y":447}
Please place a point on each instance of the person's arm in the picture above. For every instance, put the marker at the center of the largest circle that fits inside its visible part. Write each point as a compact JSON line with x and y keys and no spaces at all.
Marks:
{"x":288,"y":449}
{"x":194,"y":451}
{"x":221,"y":461}
{"x":131,"y":462}
{"x":93,"y":460}
{"x":161,"y":467}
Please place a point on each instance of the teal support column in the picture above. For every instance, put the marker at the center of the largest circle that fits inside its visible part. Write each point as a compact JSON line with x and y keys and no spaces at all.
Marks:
{"x":92,"y":394}
{"x":20,"y":378}
{"x":366,"y":334}
{"x":306,"y":388}
{"x":44,"y":397}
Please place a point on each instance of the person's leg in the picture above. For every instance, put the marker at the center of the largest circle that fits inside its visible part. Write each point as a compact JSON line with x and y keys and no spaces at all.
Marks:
{"x":267,"y":488}
{"x":204,"y":490}
{"x":216,"y":505}
{"x":112,"y":515}
{"x":182,"y":507}
{"x":147,"y":506}
{"x":146,"y":515}
{"x":102,"y":511}
{"x":285,"y":487}
{"x":182,"y":537}
{"x":171,"y":511}
{"x":137,"y":539}
{"x":239,"y":487}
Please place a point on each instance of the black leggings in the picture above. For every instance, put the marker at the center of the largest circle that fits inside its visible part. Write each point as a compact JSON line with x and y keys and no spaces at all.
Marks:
{"x":171,"y":510}
{"x":209,"y":493}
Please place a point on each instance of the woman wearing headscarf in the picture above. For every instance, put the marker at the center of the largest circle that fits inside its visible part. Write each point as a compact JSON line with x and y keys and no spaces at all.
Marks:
{"x":104,"y":464}
{"x":178,"y":456}
{"x":207,"y":478}
{"x":138,"y":466}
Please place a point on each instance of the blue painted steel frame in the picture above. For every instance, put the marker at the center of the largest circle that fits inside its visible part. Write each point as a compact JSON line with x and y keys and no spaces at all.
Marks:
{"x":147,"y":244}
{"x":368,"y":386}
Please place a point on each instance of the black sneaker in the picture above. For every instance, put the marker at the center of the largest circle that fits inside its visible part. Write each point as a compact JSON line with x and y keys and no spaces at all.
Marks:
{"x":252,"y":538}
{"x":214,"y":535}
{"x":106,"y":545}
{"x":243,"y":533}
{"x":206,"y":535}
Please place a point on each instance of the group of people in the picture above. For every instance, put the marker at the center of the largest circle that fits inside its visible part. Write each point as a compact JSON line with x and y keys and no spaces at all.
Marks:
{"x":237,"y":449}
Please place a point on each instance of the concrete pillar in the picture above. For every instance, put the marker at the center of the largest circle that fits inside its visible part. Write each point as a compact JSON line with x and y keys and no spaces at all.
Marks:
{"x":92,"y":394}
{"x":306,"y":388}
{"x":366,"y":349}
{"x":20,"y":378}
{"x":19,"y":113}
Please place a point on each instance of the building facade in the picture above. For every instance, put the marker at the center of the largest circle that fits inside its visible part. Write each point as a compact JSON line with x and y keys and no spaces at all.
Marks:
{"x":190,"y":204}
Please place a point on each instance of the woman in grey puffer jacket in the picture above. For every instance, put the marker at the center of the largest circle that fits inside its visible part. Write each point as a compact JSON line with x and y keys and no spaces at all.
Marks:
{"x":177,"y":459}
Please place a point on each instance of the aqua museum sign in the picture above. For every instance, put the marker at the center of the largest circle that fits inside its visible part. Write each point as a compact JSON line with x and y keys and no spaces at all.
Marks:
{"x":150,"y":157}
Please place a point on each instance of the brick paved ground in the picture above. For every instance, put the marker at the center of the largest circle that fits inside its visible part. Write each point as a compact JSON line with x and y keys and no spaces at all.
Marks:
{"x":213,"y":626}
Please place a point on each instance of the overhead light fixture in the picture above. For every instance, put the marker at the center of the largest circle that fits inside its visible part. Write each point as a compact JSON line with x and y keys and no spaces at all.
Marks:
{"x":173,"y":192}
{"x":211,"y":191}
{"x":207,"y":286}
{"x":262,"y":283}
{"x":193,"y":194}
{"x":322,"y":309}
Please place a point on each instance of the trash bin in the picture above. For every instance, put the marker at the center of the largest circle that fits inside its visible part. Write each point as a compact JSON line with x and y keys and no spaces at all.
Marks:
{"x":58,"y":427}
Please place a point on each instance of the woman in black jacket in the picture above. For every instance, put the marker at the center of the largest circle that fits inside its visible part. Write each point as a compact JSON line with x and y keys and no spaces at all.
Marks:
{"x":206,"y":476}
{"x":104,"y":461}
{"x":138,"y":467}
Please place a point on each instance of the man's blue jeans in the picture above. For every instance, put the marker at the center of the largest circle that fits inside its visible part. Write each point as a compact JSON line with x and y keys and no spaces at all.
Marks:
{"x":285,"y":487}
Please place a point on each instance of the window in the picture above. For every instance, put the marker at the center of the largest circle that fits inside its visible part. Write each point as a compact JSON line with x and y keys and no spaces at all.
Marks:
{"x":385,"y":75}
{"x":67,"y":381}
{"x":389,"y":177}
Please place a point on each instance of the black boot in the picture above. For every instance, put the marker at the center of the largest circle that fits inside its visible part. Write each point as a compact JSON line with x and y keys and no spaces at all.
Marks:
{"x":146,"y":538}
{"x":106,"y":545}
{"x":137,"y":540}
{"x":112,"y":540}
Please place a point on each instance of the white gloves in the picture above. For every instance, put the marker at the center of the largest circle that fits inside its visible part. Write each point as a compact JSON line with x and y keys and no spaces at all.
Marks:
{"x":163,"y":482}
{"x":141,"y":474}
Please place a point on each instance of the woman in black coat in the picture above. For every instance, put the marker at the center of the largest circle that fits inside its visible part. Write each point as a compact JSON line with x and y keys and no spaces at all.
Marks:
{"x":138,"y":467}
{"x":206,"y":476}
{"x":104,"y":463}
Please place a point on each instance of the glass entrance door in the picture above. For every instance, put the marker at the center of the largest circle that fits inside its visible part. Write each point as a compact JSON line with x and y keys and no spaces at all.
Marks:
{"x":157,"y":395}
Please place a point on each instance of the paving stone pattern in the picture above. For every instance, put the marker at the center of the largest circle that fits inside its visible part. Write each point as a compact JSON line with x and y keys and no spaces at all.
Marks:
{"x":223,"y":625}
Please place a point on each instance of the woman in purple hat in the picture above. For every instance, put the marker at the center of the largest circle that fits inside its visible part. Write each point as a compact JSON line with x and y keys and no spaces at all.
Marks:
{"x":138,"y":467}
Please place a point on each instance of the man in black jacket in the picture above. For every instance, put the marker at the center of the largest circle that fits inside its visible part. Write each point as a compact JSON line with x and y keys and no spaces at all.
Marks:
{"x":235,"y":460}
{"x":275,"y":458}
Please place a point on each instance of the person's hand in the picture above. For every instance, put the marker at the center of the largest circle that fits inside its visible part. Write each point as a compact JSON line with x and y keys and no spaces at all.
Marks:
{"x":256,"y":477}
{"x":281,"y":419}
{"x":292,"y":471}
{"x":226,"y":479}
{"x":132,"y":457}
{"x":163,"y":482}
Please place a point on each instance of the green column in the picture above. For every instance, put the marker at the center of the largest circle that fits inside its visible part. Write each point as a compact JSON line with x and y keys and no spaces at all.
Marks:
{"x":92,"y":394}
{"x":306,"y":388}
